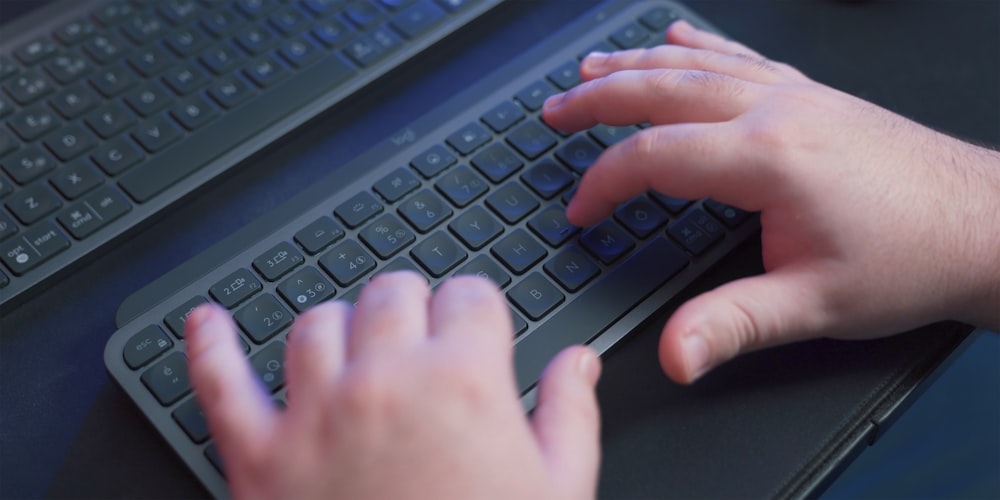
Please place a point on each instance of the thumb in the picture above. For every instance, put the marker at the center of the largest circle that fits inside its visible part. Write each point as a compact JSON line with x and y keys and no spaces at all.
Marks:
{"x":738,"y":317}
{"x":566,"y":420}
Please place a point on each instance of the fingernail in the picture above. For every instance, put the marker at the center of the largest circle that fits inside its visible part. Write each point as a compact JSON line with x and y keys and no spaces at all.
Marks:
{"x":696,"y":353}
{"x":682,"y":25}
{"x":597,"y":57}
{"x":589,"y":365}
{"x":554,"y":101}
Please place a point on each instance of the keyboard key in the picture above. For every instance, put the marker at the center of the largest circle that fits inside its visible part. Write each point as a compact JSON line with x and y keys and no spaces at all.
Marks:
{"x":235,"y":288}
{"x":535,"y":296}
{"x":534,"y":96}
{"x":362,"y":14}
{"x":179,"y":11}
{"x":469,"y":138}
{"x":497,"y":162}
{"x":278,"y":261}
{"x":269,"y":365}
{"x":35,"y":245}
{"x":629,"y":36}
{"x":566,"y":76}
{"x":143,"y":27}
{"x":398,"y":264}
{"x":299,"y":52}
{"x":359,"y":209}
{"x":69,"y":142}
{"x":552,"y":226}
{"x":476,"y":227}
{"x":503,"y":116}
{"x":305,"y":288}
{"x":263,"y":318}
{"x":641,"y":216}
{"x":186,"y":41}
{"x":175,"y":319}
{"x":28,"y":164}
{"x":485,"y":267}
{"x":108,"y":203}
{"x":572,"y":268}
{"x":68,"y":68}
{"x":512,"y":202}
{"x":608,"y":135}
{"x":697,"y":231}
{"x":729,"y":215}
{"x":145,"y":346}
{"x":319,"y":234}
{"x":673,"y":205}
{"x":168,"y":379}
{"x":607,"y":241}
{"x":193,"y":112}
{"x":288,"y":20}
{"x":75,"y":179}
{"x":579,"y":154}
{"x":396,"y":185}
{"x":347,"y":262}
{"x":110,"y":120}
{"x":154,"y":135}
{"x":220,"y":59}
{"x":105,"y":48}
{"x":532,"y":140}
{"x":32,"y":203}
{"x":73,"y":102}
{"x":185,"y":79}
{"x":331,"y":32}
{"x":192,"y":419}
{"x":658,"y":19}
{"x":439,"y":254}
{"x":34,"y":51}
{"x":148,"y":98}
{"x":150,"y":61}
{"x":417,"y":19}
{"x":519,"y":251}
{"x":265,"y":71}
{"x":425,"y":210}
{"x":31,"y":123}
{"x":433,"y":161}
{"x":461,"y":186}
{"x":7,"y":227}
{"x":230,"y":92}
{"x":547,"y":178}
{"x":75,"y":32}
{"x":596,"y":308}
{"x":80,"y":220}
{"x":112,"y":81}
{"x":386,"y":236}
{"x":116,"y":156}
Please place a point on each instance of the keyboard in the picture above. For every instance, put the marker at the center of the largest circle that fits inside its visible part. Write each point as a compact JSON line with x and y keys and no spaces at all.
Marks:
{"x":477,"y":186}
{"x":113,"y":110}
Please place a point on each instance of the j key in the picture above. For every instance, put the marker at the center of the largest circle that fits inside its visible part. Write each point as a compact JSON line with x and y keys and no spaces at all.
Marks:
{"x":552,"y":226}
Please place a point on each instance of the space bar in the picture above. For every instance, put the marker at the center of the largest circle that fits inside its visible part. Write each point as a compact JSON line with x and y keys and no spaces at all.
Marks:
{"x":193,"y":153}
{"x":597,"y":308}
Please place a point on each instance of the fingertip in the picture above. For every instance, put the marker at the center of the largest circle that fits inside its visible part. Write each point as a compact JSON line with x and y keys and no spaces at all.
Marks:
{"x":201,"y":326}
{"x":588,"y":365}
{"x":685,"y":353}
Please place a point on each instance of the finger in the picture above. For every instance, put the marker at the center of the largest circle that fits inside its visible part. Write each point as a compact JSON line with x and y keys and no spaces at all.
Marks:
{"x":316,"y":351}
{"x":391,"y":313}
{"x":660,"y":96}
{"x":238,"y":410}
{"x":566,"y":420}
{"x":470,"y":309}
{"x":776,"y":308}
{"x":690,"y":161}
{"x":760,"y":70}
{"x":684,"y":34}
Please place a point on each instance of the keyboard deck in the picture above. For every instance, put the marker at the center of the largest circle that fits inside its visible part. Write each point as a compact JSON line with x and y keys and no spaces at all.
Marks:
{"x":114,"y":110}
{"x":477,"y":186}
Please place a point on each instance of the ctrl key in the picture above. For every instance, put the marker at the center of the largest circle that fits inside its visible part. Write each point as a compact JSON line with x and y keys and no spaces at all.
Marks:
{"x":168,"y":379}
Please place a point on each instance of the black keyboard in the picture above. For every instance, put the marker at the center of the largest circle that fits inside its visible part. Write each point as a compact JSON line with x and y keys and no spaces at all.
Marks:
{"x":478,"y":186}
{"x":113,"y":110}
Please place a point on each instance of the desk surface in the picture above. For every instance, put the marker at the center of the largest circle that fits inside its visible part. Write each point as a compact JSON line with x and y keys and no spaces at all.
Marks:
{"x":66,"y":430}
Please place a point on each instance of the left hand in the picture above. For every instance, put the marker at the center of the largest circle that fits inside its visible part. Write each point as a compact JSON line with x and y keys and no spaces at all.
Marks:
{"x":409,"y":395}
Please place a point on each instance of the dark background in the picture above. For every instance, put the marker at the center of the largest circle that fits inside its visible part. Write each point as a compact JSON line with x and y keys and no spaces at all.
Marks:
{"x":67,"y":431}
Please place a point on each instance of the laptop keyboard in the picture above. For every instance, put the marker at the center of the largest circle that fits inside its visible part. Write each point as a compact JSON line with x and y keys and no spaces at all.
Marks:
{"x":478,"y":186}
{"x":127,"y":106}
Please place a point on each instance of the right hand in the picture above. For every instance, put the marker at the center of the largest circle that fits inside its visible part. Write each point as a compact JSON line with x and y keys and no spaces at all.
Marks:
{"x":871,"y":224}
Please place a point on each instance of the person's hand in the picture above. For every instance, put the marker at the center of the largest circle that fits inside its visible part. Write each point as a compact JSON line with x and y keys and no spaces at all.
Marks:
{"x":871,"y":223}
{"x":406,"y":396}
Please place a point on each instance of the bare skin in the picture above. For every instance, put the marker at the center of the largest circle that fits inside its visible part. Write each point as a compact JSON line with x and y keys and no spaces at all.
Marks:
{"x":872,"y":225}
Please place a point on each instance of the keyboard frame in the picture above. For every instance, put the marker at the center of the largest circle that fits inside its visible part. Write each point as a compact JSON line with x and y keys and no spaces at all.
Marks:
{"x":48,"y":18}
{"x":150,"y":304}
